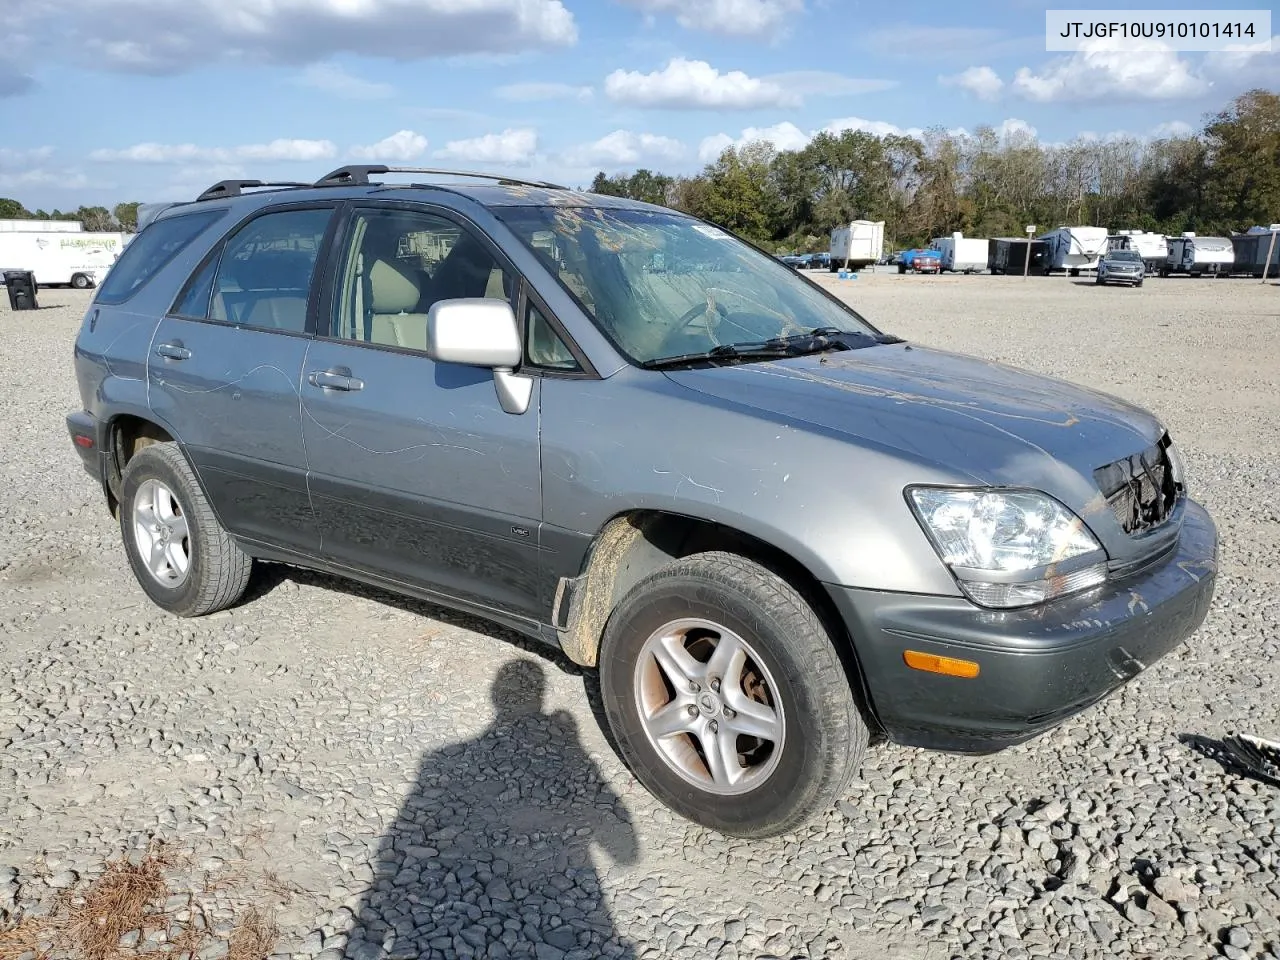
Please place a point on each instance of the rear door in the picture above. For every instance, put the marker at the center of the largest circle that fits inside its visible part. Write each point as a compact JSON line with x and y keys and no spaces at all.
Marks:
{"x":417,"y":473}
{"x":225,"y":368}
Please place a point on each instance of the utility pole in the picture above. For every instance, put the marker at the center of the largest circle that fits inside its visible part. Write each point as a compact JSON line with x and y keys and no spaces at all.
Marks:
{"x":1026,"y":263}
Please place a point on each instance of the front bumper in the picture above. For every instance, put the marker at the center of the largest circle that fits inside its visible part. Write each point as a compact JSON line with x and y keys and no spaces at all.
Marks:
{"x":1037,"y":666}
{"x":1116,"y":276}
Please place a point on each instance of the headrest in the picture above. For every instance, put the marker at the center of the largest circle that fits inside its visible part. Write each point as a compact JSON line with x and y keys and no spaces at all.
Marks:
{"x":390,"y":290}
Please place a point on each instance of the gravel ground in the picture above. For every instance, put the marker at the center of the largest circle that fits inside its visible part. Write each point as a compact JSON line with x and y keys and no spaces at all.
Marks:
{"x":389,"y":779}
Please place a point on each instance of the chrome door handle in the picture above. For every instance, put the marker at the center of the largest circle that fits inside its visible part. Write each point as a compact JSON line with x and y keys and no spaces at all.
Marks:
{"x":173,"y":351}
{"x":334,"y":380}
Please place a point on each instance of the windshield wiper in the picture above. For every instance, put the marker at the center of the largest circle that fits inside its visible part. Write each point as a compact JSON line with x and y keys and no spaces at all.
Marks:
{"x":817,"y":340}
{"x":725,"y":351}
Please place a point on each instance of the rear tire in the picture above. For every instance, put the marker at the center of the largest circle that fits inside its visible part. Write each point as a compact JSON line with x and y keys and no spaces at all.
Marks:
{"x":181,"y":556}
{"x":673,"y":705}
{"x":81,"y":282}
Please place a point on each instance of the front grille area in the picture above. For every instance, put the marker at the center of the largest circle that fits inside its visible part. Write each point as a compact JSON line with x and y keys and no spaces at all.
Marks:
{"x":1141,"y":489}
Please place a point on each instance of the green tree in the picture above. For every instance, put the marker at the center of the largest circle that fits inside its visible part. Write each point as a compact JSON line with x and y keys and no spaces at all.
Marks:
{"x":1243,"y":144}
{"x":95,"y":219}
{"x":13,"y":210}
{"x":126,"y":215}
{"x":735,"y":191}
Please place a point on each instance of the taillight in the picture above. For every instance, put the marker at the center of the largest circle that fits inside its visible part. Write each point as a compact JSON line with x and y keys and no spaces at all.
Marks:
{"x":82,"y":441}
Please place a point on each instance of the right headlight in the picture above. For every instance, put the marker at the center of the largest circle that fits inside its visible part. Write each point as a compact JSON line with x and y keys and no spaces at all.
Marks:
{"x":1009,"y":548}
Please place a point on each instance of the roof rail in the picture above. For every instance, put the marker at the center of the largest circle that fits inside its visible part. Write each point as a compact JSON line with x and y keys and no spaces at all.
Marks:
{"x":234,"y":188}
{"x":358,"y":175}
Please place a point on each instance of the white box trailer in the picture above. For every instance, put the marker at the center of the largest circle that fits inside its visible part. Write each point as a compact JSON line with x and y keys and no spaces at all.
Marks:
{"x":961,"y":254}
{"x":1153,"y":248}
{"x":1199,"y":255}
{"x":41,"y":226}
{"x":58,"y":258}
{"x":1074,"y":248}
{"x":858,"y":244}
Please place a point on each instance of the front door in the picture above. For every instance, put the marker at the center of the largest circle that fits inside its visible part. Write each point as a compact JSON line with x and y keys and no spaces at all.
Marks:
{"x":224,"y":372}
{"x":417,"y":473}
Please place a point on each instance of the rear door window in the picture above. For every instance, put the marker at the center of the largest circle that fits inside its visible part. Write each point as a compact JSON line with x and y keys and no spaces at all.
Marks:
{"x":265,"y":271}
{"x":157,"y":244}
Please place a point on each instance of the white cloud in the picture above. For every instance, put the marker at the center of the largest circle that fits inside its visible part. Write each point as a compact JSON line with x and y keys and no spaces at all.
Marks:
{"x":525,"y":92}
{"x":623,"y":148}
{"x":983,"y":82}
{"x":276,"y":150}
{"x":784,"y":136}
{"x":400,"y":147}
{"x":787,"y":136}
{"x":1253,"y":68}
{"x":162,"y":36}
{"x":332,"y":79}
{"x":877,"y":128}
{"x":43,"y":177}
{"x":1174,"y":128}
{"x":1104,"y":71}
{"x":25,"y":156}
{"x":1015,"y":128}
{"x":693,"y":84}
{"x":513,"y":146}
{"x":737,"y":18}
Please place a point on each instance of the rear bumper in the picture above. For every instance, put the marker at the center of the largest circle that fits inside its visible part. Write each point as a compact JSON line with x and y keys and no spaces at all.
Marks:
{"x":90,"y":438}
{"x":1037,"y":666}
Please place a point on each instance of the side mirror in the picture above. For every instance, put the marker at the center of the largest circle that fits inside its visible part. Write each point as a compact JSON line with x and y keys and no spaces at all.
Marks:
{"x":480,"y":332}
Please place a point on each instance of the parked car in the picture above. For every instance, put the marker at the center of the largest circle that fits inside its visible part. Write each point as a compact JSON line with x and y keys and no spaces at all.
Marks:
{"x":487,"y":396}
{"x":1121,"y":266}
{"x":920,"y":260}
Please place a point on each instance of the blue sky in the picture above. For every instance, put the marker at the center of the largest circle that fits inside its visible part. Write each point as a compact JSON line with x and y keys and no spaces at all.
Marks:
{"x":109,"y":100}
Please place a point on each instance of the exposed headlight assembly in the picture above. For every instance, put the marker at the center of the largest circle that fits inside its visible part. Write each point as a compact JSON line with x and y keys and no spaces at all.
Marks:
{"x":1009,"y":548}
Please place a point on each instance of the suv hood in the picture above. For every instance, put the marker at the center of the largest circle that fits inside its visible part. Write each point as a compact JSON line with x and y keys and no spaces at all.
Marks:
{"x":984,"y":422}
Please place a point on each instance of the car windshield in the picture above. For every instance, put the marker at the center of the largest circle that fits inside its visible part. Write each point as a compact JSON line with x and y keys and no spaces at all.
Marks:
{"x":662,"y":285}
{"x":1125,"y":255}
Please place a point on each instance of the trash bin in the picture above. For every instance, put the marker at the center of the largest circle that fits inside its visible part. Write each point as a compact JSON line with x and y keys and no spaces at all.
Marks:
{"x":21,"y":285}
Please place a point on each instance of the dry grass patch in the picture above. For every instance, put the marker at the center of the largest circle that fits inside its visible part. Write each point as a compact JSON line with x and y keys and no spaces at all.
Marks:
{"x":89,"y":922}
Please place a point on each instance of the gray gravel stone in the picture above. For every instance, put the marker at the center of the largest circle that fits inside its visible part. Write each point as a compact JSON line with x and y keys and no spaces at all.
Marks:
{"x":1237,"y":937}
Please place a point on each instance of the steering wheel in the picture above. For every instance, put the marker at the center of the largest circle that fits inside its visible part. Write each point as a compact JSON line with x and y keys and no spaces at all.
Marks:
{"x":689,"y":316}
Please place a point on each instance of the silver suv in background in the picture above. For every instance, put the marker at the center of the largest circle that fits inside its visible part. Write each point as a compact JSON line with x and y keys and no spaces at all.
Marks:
{"x":1121,"y":266}
{"x":777,"y":532}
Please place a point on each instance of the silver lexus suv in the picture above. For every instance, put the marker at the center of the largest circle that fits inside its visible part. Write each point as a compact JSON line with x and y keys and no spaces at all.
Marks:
{"x":777,"y":532}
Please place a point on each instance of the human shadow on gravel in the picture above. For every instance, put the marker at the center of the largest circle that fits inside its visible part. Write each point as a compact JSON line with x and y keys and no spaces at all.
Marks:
{"x":491,"y":855}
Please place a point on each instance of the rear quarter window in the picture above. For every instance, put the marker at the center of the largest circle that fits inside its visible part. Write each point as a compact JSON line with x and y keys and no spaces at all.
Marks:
{"x":158,"y":243}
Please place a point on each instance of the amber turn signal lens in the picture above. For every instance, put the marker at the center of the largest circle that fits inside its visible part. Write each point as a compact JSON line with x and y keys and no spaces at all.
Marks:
{"x":934,"y":664}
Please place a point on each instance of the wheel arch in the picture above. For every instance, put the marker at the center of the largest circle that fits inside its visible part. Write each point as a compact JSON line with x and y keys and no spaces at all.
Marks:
{"x":635,"y":543}
{"x":125,"y":434}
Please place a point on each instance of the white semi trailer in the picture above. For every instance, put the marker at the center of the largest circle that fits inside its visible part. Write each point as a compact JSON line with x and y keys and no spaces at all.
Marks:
{"x":858,"y":244}
{"x":961,"y":254}
{"x":61,"y":258}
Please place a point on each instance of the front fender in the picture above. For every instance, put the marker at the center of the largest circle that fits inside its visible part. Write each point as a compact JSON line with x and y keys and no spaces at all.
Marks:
{"x":636,"y":442}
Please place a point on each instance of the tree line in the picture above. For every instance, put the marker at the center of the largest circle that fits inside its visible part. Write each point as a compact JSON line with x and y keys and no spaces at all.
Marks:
{"x":1224,"y":178}
{"x":123,"y":218}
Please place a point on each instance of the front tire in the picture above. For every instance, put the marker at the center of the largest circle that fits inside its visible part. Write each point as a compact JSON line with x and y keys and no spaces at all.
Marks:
{"x":727,"y":697}
{"x":180,"y":554}
{"x":81,"y":282}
